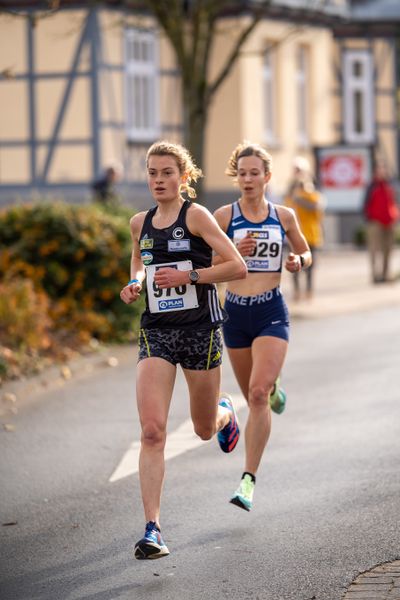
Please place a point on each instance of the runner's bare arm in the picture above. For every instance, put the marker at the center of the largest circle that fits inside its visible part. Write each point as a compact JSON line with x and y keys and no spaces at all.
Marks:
{"x":296,"y":239}
{"x":131,"y":292}
{"x":231,"y":266}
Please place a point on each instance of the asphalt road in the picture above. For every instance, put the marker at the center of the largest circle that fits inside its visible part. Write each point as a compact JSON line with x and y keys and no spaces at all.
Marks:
{"x":326,"y":506}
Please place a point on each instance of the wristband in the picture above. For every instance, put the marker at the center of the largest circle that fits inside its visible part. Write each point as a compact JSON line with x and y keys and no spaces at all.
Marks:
{"x":133,"y":281}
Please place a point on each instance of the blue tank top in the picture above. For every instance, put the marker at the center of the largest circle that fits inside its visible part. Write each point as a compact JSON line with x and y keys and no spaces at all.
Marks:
{"x":269,"y":235}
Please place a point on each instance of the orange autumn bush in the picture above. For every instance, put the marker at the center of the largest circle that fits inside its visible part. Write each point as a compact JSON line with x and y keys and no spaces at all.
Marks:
{"x":24,"y":318}
{"x":25,"y":327}
{"x":71,"y":263}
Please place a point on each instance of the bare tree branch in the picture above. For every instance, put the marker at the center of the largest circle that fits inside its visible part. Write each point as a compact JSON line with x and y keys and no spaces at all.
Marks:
{"x":212,"y":88}
{"x":169,"y":15}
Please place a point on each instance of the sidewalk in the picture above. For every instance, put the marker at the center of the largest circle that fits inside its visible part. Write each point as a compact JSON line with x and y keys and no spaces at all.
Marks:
{"x":342,"y":285}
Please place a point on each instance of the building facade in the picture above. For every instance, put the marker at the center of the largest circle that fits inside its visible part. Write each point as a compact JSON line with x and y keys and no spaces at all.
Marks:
{"x":89,"y":84}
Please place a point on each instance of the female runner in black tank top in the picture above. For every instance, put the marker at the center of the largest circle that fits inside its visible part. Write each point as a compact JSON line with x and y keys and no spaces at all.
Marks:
{"x":177,"y":243}
{"x":172,"y":250}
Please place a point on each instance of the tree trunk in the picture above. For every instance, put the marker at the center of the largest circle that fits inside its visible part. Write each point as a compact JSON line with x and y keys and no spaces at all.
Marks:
{"x":195,"y":113}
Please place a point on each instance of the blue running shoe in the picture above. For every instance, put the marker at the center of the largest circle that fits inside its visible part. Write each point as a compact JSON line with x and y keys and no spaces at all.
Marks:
{"x":277,"y":399}
{"x":228,"y":437}
{"x":151,"y":545}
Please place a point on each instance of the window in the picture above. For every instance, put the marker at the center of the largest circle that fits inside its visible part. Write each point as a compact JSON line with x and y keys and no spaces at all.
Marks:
{"x":358,"y":97}
{"x":302,"y":95}
{"x":141,"y":82}
{"x":270,"y":132}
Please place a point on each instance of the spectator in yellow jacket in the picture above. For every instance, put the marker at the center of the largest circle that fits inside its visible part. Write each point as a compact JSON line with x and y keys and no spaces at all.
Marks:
{"x":307,"y":203}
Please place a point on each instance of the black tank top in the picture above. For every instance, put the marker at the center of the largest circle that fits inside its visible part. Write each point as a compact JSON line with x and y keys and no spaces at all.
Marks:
{"x":172,"y":245}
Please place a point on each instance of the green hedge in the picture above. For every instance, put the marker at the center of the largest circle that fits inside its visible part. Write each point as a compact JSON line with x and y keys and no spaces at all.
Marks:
{"x":79,"y":257}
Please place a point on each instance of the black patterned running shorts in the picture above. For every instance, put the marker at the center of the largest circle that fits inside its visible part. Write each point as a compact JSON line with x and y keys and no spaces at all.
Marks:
{"x":198,"y":350}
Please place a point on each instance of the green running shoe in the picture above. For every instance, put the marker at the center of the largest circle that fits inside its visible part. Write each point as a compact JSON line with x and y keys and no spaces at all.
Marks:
{"x":277,"y":399}
{"x":243,"y":497}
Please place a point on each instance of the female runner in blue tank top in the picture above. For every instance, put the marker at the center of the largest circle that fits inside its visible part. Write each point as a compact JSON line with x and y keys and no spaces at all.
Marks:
{"x":257,"y":330}
{"x":173,"y":245}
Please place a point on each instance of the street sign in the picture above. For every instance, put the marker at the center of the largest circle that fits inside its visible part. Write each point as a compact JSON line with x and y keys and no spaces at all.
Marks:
{"x":343,"y":173}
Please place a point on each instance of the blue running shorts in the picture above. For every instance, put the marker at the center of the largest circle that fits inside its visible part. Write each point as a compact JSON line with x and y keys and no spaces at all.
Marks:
{"x":250,"y":317}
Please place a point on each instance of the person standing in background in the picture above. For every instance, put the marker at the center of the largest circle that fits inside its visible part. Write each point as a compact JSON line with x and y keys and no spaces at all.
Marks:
{"x":307,"y":203}
{"x":381,"y":212}
{"x":104,"y":191}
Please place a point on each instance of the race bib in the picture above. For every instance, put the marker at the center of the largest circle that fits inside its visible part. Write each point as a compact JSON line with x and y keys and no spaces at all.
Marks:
{"x":267,"y":254}
{"x":183,"y":297}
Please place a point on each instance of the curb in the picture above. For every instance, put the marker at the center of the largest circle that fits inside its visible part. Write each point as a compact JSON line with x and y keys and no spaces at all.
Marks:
{"x":380,"y":583}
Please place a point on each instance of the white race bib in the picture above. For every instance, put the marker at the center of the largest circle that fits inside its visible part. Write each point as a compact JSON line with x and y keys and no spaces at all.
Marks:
{"x":183,"y":297}
{"x":267,"y":254}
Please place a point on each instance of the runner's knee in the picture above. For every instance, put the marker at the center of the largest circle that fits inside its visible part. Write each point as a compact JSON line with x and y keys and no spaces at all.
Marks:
{"x":204,"y":431}
{"x":153,"y":435}
{"x":258,"y":395}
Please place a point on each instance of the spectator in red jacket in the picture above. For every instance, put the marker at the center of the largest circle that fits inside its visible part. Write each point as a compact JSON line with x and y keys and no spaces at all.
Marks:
{"x":381,"y":212}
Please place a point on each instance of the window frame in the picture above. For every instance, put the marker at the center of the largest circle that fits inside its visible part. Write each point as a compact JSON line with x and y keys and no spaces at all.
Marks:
{"x":358,"y":89}
{"x":142,"y":77}
{"x":269,"y":86}
{"x":302,"y":76}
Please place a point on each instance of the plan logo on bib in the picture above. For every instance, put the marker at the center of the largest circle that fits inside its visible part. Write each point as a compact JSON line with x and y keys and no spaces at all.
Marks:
{"x":147,"y":257}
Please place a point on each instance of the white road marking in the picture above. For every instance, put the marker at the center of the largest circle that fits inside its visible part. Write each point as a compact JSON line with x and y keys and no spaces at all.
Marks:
{"x":179,"y":441}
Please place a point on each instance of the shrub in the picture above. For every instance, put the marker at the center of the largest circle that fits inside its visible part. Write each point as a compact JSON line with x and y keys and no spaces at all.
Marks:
{"x":24,"y":319}
{"x":79,"y":256}
{"x":25,"y":328}
{"x":360,"y":236}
